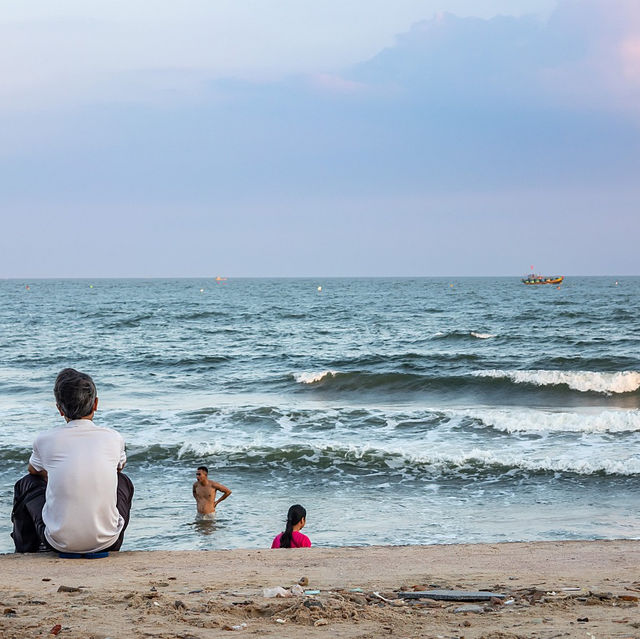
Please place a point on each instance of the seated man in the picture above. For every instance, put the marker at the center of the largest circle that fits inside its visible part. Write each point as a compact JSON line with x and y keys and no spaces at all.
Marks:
{"x":74,"y":499}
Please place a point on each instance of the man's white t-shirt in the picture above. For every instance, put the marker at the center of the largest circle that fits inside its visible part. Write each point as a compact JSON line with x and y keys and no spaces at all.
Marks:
{"x":81,"y":460}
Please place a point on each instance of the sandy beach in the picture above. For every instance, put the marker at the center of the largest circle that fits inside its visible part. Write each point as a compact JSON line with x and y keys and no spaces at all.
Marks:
{"x":551,"y":589}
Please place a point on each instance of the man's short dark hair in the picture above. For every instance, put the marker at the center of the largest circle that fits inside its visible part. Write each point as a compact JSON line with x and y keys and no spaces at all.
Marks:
{"x":206,"y":470}
{"x":75,"y":393}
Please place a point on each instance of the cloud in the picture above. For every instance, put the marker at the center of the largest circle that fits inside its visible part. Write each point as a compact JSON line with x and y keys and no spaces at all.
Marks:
{"x":64,"y":53}
{"x":455,"y":103}
{"x":585,"y":56}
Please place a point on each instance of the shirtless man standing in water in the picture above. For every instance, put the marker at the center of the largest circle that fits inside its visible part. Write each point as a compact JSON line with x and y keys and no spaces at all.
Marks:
{"x":204,"y":492}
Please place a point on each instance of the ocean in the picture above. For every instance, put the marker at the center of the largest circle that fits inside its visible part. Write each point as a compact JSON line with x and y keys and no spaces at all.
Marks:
{"x":397,"y":411}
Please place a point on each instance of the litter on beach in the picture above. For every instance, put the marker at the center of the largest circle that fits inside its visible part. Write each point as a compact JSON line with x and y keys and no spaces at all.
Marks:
{"x":278,"y":591}
{"x":452,"y":595}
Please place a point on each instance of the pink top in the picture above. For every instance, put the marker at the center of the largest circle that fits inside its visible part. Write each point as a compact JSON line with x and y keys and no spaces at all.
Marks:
{"x":298,"y":540}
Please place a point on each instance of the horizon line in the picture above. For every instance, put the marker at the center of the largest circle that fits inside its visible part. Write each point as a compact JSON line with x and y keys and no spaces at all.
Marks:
{"x":288,"y":277}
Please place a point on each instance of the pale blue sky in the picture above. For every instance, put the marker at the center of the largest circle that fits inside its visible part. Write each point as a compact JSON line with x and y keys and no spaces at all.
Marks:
{"x":289,"y":138}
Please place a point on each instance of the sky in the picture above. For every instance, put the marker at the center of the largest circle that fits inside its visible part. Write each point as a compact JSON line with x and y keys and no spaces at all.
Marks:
{"x":247,"y":138}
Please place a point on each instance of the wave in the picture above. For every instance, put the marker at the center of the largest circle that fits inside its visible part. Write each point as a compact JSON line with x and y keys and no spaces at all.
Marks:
{"x":15,"y":455}
{"x":371,"y":423}
{"x":462,"y":335}
{"x":548,"y":464}
{"x":485,"y":381}
{"x":146,"y":360}
{"x":197,"y":315}
{"x":187,"y":362}
{"x":313,"y":378}
{"x":364,"y":380}
{"x":541,"y":421}
{"x":384,"y":363}
{"x":582,"y":362}
{"x":583,"y":381}
{"x":350,"y":460}
{"x":129,"y":322}
{"x":360,"y":460}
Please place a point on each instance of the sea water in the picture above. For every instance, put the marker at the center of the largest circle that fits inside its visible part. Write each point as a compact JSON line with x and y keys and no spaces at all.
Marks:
{"x":397,"y":411}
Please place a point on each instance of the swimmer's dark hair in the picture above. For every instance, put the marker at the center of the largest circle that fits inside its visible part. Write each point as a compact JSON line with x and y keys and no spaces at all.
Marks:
{"x":294,"y":516}
{"x":206,"y":470}
{"x":75,"y":393}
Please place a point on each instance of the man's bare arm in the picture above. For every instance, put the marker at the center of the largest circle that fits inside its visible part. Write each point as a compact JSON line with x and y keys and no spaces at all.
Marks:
{"x":223,"y":489}
{"x":194,"y":491}
{"x":33,"y":471}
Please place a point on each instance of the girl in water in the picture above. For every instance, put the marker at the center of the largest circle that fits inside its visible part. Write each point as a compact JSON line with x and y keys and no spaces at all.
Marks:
{"x":292,"y":537}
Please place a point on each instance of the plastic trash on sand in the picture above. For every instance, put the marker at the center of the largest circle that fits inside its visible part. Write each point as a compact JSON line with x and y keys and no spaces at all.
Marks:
{"x":241,"y":626}
{"x":278,"y":591}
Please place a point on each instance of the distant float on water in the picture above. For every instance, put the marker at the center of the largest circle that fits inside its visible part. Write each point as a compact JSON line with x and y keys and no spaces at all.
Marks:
{"x":542,"y":279}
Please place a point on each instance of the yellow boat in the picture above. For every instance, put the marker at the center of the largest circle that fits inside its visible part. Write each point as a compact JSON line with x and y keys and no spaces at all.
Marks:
{"x":532,"y":280}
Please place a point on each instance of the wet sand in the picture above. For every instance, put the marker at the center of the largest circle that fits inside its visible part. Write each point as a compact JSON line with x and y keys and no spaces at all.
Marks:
{"x":552,"y":589}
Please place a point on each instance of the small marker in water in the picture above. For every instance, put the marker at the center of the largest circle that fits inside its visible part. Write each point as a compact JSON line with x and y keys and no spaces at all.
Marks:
{"x":202,"y":290}
{"x":319,"y":288}
{"x":90,"y":285}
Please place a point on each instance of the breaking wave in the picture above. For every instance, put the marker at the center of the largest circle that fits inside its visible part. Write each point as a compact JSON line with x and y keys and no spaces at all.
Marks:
{"x":313,"y":378}
{"x":494,"y":381}
{"x":583,"y":381}
{"x":541,"y":421}
{"x":359,"y":460}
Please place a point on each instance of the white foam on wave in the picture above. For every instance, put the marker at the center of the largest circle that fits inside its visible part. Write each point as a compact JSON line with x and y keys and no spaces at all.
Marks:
{"x":313,"y":378}
{"x":553,"y":464}
{"x":202,"y":449}
{"x":397,"y":458}
{"x":482,"y":335}
{"x":541,"y":421}
{"x":583,"y":381}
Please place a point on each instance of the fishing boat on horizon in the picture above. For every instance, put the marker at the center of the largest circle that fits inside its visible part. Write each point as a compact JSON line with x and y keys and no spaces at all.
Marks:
{"x":533,"y":279}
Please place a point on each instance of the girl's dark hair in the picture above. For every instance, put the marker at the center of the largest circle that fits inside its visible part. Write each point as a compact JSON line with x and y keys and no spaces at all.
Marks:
{"x":294,"y":516}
